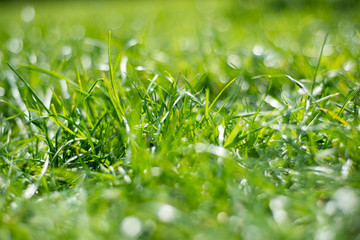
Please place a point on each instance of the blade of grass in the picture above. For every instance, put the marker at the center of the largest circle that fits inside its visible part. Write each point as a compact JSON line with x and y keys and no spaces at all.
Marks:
{"x":234,"y":132}
{"x":52,"y":74}
{"x":335,"y":116}
{"x":33,"y":93}
{"x":356,"y":116}
{"x":207,"y":104}
{"x":318,"y":64}
{"x":217,"y":97}
{"x":189,"y":84}
{"x":302,"y":86}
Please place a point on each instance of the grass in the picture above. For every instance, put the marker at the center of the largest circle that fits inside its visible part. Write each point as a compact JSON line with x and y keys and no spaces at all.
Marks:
{"x":191,"y":120}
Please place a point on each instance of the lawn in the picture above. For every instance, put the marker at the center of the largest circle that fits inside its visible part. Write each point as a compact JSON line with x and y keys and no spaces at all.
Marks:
{"x":180,"y":119}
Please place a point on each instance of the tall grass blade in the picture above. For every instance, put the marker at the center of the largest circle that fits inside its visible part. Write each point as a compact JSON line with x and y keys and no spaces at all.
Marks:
{"x":318,"y":63}
{"x":234,"y":132}
{"x":33,"y":93}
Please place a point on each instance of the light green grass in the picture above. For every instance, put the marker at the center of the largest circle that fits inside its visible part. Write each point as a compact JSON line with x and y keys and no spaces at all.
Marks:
{"x":180,"y":120}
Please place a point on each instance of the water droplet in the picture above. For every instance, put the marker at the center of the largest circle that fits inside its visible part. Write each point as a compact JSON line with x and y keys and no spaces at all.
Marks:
{"x":328,"y":50}
{"x":325,"y":233}
{"x":66,"y":50}
{"x":346,"y":168}
{"x":271,"y":60}
{"x":348,"y":65}
{"x":234,"y":61}
{"x":131,"y":226}
{"x":222,"y":217}
{"x":221,"y":130}
{"x":86,"y":61}
{"x":15,"y":45}
{"x":277,"y":206}
{"x":103,"y":67}
{"x":28,"y":14}
{"x":346,"y":200}
{"x":127,"y":179}
{"x":32,"y":58}
{"x":156,"y":171}
{"x":64,"y":89}
{"x":258,"y":50}
{"x":330,"y":208}
{"x":166,"y":213}
{"x":30,"y":191}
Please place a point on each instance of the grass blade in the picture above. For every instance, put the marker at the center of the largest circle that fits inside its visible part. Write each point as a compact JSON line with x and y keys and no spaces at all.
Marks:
{"x":33,"y":93}
{"x":234,"y":132}
{"x":318,"y":63}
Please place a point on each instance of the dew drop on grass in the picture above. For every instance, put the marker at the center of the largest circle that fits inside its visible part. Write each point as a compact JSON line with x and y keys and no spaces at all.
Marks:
{"x":130,"y":43}
{"x":155,"y":171}
{"x":346,"y":200}
{"x":348,"y":65}
{"x":245,"y":85}
{"x":140,"y":68}
{"x":28,"y":14}
{"x":123,"y":65}
{"x":271,"y":60}
{"x":221,"y":130}
{"x":258,"y":50}
{"x":166,"y":213}
{"x":131,"y":226}
{"x":346,"y":168}
{"x":103,"y":67}
{"x":222,"y":217}
{"x":30,"y":191}
{"x":234,"y":61}
{"x":277,"y":206}
{"x":318,"y":90}
{"x":32,"y":58}
{"x":66,"y":50}
{"x":86,"y":61}
{"x":273,"y":102}
{"x":111,"y":194}
{"x":127,"y":179}
{"x":330,"y":208}
{"x":13,"y":205}
{"x":64,"y":89}
{"x":243,"y":183}
{"x":121,"y":171}
{"x":14,"y":45}
{"x":160,"y":56}
{"x":325,"y":233}
{"x":328,"y":50}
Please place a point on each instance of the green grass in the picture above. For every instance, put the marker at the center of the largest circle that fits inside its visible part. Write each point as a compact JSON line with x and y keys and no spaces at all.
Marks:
{"x":180,"y":120}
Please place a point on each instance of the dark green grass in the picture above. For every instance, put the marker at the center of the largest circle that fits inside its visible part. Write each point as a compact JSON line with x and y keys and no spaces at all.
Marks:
{"x":191,"y":120}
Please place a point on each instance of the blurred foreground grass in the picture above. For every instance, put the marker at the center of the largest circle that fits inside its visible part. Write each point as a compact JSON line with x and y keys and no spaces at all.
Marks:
{"x":213,"y":120}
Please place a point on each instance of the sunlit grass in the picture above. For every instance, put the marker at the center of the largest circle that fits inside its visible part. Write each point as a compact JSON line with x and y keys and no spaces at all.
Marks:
{"x":186,"y":120}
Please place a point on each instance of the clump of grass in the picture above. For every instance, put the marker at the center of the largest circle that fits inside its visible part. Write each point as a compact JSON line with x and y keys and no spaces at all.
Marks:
{"x":155,"y":130}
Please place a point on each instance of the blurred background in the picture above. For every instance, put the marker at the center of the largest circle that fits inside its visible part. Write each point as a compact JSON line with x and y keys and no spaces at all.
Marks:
{"x":155,"y":37}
